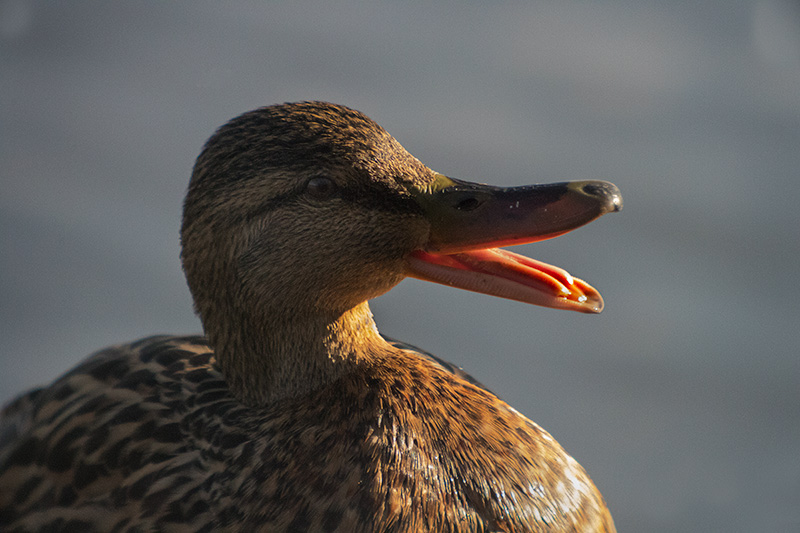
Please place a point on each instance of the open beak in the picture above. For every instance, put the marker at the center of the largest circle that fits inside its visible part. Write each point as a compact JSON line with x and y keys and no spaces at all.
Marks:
{"x":469,"y":221}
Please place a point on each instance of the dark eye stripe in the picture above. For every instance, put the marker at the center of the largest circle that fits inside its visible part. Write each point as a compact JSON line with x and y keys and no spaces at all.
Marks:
{"x":375,"y":198}
{"x":270,"y":205}
{"x":380,"y":199}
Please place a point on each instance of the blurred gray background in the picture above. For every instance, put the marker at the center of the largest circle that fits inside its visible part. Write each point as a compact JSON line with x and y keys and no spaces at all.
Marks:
{"x":682,"y":399}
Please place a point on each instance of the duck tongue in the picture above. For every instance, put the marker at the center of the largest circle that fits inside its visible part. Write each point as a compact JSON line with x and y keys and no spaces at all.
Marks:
{"x":501,"y":273}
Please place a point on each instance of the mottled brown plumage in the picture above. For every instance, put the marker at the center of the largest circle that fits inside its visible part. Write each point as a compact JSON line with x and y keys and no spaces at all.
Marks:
{"x":293,"y":414}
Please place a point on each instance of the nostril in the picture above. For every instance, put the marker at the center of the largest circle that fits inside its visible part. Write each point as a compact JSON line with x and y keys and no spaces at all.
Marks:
{"x":468,"y":204}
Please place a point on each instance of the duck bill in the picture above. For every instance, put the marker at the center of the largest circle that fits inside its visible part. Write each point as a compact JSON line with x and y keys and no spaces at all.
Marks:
{"x":470,"y":221}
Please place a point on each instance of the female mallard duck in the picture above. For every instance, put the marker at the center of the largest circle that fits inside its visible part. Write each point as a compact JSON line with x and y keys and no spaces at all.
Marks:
{"x":293,"y":413}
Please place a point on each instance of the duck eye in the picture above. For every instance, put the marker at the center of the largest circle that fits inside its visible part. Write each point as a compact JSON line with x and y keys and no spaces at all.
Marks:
{"x":320,"y":188}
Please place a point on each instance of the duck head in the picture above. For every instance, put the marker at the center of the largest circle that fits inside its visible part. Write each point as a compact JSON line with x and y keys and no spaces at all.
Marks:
{"x":297,"y":214}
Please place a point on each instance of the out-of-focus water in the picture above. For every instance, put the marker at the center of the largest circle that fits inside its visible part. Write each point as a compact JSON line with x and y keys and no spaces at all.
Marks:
{"x":682,"y":399}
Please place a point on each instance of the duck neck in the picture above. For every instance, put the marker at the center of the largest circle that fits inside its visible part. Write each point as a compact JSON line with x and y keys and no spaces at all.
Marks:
{"x":293,"y":354}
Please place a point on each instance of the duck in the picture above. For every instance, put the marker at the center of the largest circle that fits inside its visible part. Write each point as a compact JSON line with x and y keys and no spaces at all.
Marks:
{"x":292,"y":412}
